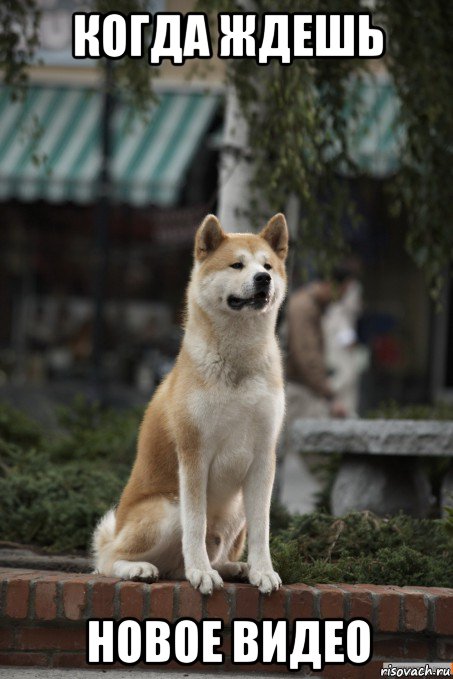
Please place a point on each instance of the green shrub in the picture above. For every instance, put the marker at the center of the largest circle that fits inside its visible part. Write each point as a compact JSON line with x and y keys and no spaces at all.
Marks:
{"x":16,"y":427}
{"x":53,"y":490}
{"x":90,"y":432}
{"x":364,"y":548}
{"x":391,"y":410}
{"x":54,"y":506}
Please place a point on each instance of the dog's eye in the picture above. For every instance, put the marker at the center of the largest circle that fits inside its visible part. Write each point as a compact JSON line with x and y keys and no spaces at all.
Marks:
{"x":237,"y":265}
{"x":268,"y":267}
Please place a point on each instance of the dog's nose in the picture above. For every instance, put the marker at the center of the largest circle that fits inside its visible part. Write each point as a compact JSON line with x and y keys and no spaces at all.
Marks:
{"x":262,"y":279}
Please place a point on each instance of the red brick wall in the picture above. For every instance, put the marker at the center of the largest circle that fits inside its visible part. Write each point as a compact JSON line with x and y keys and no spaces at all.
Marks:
{"x":43,"y":614}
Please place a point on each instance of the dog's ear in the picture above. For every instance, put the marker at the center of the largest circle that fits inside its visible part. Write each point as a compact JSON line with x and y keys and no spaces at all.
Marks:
{"x":276,"y":234}
{"x":208,"y":238}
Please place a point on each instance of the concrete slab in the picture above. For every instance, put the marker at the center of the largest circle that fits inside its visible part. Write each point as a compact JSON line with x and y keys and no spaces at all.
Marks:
{"x":374,"y":437}
{"x":44,"y":673}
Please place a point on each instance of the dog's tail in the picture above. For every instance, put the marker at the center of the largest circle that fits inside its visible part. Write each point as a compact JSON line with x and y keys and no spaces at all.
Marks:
{"x":103,"y":537}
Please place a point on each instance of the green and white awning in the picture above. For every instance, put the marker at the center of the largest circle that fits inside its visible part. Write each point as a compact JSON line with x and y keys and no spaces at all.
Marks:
{"x":50,"y":142}
{"x":50,"y":145}
{"x":375,"y":137}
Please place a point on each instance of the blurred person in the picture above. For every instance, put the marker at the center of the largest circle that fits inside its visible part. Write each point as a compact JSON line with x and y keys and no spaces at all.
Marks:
{"x":310,"y":393}
{"x":346,"y":359}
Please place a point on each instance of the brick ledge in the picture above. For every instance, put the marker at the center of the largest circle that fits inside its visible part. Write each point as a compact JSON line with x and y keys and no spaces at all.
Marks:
{"x":43,"y":614}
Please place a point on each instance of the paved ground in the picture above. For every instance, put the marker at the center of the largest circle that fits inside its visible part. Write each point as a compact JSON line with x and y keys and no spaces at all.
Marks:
{"x":32,"y":673}
{"x":41,"y":401}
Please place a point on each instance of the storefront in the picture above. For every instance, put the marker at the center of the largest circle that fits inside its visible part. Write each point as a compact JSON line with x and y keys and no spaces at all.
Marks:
{"x":163,"y":178}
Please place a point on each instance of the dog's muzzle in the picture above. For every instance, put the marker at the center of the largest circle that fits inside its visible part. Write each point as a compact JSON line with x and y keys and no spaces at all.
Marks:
{"x":262,"y":280}
{"x":260,"y":298}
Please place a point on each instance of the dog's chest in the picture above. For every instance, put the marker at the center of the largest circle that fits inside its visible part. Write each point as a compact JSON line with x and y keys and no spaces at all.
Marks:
{"x":233,"y":424}
{"x":224,"y":413}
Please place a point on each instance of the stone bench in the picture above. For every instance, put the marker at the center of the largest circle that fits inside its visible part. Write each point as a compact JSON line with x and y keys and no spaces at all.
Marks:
{"x":380,"y":470}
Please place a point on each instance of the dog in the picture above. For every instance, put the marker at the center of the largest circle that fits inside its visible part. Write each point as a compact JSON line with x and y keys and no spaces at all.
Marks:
{"x":205,"y":463}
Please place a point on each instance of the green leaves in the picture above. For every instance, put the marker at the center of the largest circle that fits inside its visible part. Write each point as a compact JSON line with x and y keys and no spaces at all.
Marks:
{"x":19,"y":41}
{"x":19,"y":37}
{"x":292,"y":113}
{"x":360,"y":547}
{"x":53,"y":488}
{"x":422,"y":68}
{"x":295,"y":111}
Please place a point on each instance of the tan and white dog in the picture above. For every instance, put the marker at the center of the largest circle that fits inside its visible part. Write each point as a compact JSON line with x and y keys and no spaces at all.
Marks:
{"x":206,"y":451}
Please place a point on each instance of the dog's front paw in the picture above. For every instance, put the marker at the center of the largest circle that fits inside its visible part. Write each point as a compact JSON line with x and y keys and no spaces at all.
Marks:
{"x":135,"y":570}
{"x":266,"y":580}
{"x":235,"y":570}
{"x":204,"y":580}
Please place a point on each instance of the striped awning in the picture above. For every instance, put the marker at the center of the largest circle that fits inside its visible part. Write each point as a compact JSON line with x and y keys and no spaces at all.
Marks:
{"x":375,"y":136}
{"x":50,"y":145}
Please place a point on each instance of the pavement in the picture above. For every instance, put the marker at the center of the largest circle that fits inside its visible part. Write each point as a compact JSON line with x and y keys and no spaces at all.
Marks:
{"x":44,"y":673}
{"x":42,"y":401}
